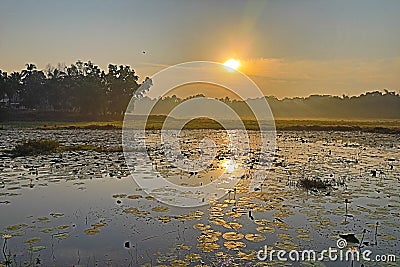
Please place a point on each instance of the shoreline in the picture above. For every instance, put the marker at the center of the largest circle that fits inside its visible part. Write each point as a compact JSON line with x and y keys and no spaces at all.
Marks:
{"x":370,"y":126}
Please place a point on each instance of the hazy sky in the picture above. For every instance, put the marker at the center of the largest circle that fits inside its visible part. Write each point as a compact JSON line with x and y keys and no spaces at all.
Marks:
{"x":289,"y":48}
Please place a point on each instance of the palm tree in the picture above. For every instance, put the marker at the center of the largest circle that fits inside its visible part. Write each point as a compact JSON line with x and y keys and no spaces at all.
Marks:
{"x":30,"y":68}
{"x":56,"y":74}
{"x":34,"y":94}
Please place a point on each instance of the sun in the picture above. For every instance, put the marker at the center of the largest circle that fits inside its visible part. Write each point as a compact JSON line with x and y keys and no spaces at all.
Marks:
{"x":232,"y":64}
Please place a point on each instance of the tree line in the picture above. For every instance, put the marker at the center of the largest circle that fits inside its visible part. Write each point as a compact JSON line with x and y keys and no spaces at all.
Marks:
{"x":80,"y":88}
{"x":370,"y":105}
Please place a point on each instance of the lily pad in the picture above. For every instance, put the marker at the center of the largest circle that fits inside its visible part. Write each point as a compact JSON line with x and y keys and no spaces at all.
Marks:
{"x":255,"y":237}
{"x":160,"y":209}
{"x":208,"y":246}
{"x":192,"y":257}
{"x":92,"y":231}
{"x":14,"y":227}
{"x":37,"y":248}
{"x":61,"y":236}
{"x":33,"y":240}
{"x":232,"y":236}
{"x":265,"y":229}
{"x":234,"y":245}
{"x":136,"y":212}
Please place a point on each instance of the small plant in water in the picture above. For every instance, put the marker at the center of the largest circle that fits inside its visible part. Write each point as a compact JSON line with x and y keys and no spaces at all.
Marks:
{"x":7,"y":258}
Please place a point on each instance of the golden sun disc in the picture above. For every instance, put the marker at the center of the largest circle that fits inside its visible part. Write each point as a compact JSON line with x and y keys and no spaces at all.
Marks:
{"x":232,"y":64}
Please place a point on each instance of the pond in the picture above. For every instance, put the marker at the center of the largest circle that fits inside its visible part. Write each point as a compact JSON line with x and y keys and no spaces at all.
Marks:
{"x":83,"y":208}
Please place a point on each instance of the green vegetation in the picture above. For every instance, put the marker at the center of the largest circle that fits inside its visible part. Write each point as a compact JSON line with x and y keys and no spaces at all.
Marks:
{"x":384,"y":126}
{"x":156,"y":122}
{"x":80,"y":90}
{"x":59,"y":125}
{"x":94,"y":126}
{"x":386,"y":123}
{"x":33,"y":147}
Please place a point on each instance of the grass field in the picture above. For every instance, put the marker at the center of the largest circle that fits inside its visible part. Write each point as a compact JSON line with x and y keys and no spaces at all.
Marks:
{"x":156,"y":122}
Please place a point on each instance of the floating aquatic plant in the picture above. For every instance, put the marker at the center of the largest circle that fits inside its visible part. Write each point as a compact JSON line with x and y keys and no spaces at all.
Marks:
{"x":61,"y":236}
{"x":255,"y":237}
{"x":232,"y":236}
{"x":160,"y":209}
{"x":136,"y":212}
{"x":179,"y":263}
{"x":234,"y":245}
{"x":92,"y":231}
{"x":208,"y":246}
{"x":33,"y":240}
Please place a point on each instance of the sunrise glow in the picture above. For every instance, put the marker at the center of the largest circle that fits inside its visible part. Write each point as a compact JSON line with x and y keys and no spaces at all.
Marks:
{"x":232,"y":64}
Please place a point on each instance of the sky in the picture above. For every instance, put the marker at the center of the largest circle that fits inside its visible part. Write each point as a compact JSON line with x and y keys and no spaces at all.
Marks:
{"x":288,"y":48}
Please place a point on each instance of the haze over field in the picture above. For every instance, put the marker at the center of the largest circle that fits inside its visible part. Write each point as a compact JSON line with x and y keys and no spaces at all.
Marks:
{"x":372,"y":105}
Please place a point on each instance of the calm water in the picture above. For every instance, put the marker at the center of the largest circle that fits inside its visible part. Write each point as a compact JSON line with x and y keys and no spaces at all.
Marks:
{"x":83,"y":208}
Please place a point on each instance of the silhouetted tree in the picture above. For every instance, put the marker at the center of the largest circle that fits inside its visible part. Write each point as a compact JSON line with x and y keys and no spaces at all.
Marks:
{"x":3,"y":80}
{"x":121,"y":84}
{"x":57,"y":93}
{"x":14,"y":87}
{"x":33,"y":94}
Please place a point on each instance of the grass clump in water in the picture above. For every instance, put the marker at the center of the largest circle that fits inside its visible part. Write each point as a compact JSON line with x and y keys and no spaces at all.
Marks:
{"x":32,"y":147}
{"x":310,"y":184}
